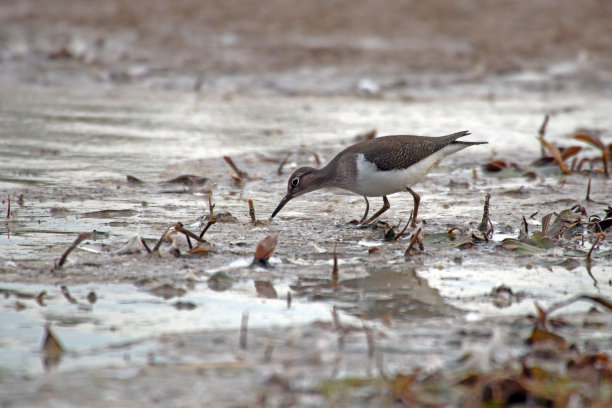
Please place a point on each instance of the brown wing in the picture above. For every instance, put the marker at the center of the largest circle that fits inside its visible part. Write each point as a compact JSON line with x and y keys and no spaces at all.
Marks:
{"x":400,"y":152}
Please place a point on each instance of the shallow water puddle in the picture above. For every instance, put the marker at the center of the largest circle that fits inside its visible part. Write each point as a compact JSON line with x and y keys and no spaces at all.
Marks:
{"x":120,"y":326}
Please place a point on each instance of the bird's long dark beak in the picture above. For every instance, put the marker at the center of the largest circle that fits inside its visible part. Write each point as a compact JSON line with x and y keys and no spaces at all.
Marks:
{"x":284,"y":201}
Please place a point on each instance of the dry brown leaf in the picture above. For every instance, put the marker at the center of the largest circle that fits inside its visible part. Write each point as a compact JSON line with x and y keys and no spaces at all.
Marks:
{"x":265,"y":248}
{"x":496,"y":165}
{"x":594,"y":141}
{"x":557,"y":155}
{"x":202,"y":248}
{"x":539,"y":336}
{"x":570,"y":151}
{"x":373,"y":249}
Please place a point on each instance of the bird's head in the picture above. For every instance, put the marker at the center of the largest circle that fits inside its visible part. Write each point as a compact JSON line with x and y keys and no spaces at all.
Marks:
{"x":302,"y":181}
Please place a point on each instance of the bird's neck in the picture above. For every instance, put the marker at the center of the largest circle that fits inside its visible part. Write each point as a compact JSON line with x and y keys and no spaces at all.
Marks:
{"x":324,"y":177}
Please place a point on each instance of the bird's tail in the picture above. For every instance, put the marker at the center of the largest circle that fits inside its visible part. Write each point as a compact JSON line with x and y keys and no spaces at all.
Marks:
{"x":461,"y":134}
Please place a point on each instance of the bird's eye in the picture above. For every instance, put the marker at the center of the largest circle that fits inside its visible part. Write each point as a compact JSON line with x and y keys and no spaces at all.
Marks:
{"x":295,"y":182}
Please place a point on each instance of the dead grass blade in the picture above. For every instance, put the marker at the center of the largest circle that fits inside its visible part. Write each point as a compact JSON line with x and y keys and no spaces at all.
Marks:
{"x":595,"y":141}
{"x":595,"y":299}
{"x":588,"y":192}
{"x":83,"y":236}
{"x":241,"y":174}
{"x":570,"y":152}
{"x":485,"y":225}
{"x":557,"y":155}
{"x":179,"y":228}
{"x":279,"y":171}
{"x":416,"y":239}
{"x":211,"y":206}
{"x":542,"y":133}
{"x":334,"y":274}
{"x":210,"y":222}
{"x":252,"y":211}
{"x":546,"y":223}
{"x":161,"y":239}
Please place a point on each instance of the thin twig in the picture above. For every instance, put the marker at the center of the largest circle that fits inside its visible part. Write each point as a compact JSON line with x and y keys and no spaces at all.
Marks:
{"x":83,"y":236}
{"x":143,"y":242}
{"x":8,"y":210}
{"x":237,"y":180}
{"x":317,"y":159}
{"x":588,"y":258}
{"x":588,"y":268}
{"x":542,"y":132}
{"x":483,"y":226}
{"x":211,"y":206}
{"x":588,"y":193}
{"x":334,"y":274}
{"x":279,"y":171}
{"x":596,"y":299}
{"x":404,"y":229}
{"x":595,"y":141}
{"x":557,"y":155}
{"x":252,"y":211}
{"x":231,"y":163}
{"x":414,"y":240}
{"x":161,"y":239}
{"x":546,"y":223}
{"x":187,"y":238}
{"x":179,"y":228}
{"x":599,"y":237}
{"x":210,"y":222}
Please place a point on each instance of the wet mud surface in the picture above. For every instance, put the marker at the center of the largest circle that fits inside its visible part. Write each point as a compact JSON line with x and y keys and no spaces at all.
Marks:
{"x":113,"y":128}
{"x":418,"y":308}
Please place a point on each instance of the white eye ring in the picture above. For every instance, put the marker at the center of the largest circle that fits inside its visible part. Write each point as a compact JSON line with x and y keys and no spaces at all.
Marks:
{"x":295,"y":182}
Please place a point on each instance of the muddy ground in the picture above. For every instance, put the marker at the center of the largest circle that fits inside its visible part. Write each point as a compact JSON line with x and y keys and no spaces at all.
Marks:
{"x":318,"y":47}
{"x":93,"y":93}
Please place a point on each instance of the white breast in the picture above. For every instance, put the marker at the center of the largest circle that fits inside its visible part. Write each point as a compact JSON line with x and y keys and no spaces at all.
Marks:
{"x":373,"y":182}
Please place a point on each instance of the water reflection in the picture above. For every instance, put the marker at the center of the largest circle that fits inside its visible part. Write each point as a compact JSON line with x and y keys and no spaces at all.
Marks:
{"x":395,"y":291}
{"x":88,"y":332}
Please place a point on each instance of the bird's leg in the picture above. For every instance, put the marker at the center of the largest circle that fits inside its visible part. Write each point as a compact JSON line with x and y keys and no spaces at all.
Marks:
{"x":384,"y":208}
{"x":366,"y":211}
{"x":417,"y":200}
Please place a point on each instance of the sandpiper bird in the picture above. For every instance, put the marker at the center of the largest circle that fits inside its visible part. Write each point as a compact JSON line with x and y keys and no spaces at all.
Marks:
{"x":376,"y":168}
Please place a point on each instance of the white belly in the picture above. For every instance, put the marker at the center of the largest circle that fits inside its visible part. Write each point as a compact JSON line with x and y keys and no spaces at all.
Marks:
{"x":373,"y":182}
